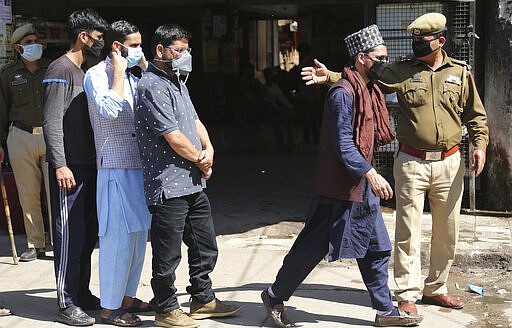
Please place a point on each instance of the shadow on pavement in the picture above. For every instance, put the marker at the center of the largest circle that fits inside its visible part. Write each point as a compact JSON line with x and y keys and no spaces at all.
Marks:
{"x":328,"y":293}
{"x":30,"y":304}
{"x":253,"y":189}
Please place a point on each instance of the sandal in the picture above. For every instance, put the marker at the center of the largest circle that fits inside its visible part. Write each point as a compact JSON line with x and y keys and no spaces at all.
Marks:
{"x":5,"y":311}
{"x":116,"y":318}
{"x":136,"y":306}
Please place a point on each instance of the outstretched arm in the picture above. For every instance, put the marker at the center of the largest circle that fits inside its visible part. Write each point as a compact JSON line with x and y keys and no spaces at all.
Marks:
{"x":319,"y":74}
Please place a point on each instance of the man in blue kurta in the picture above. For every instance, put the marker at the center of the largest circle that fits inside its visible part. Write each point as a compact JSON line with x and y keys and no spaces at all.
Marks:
{"x":344,"y":218}
{"x":123,"y":218}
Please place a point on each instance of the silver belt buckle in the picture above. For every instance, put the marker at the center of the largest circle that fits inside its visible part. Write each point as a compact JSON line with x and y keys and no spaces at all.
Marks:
{"x":433,"y":155}
{"x":37,"y":130}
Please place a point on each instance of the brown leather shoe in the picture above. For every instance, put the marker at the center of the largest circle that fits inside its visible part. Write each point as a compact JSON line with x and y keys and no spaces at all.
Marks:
{"x":446,"y":300}
{"x":408,"y":306}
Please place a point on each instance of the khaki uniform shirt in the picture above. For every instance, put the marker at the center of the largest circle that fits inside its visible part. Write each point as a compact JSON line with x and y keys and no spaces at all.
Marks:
{"x":21,"y":95}
{"x":433,"y":105}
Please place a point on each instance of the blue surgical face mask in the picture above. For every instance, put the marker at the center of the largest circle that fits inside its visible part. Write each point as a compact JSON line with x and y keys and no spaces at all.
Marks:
{"x":32,"y":52}
{"x":133,"y":56}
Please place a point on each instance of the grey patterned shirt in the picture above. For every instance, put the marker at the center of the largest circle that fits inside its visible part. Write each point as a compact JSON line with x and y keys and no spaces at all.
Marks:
{"x":163,"y":105}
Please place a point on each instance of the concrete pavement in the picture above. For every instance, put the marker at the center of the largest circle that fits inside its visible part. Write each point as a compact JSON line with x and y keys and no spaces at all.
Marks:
{"x":258,"y":202}
{"x":332,"y":296}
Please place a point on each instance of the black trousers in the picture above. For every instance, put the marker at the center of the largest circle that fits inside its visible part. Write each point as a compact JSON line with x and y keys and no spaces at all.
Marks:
{"x":312,"y":245}
{"x":75,"y":233}
{"x":186,"y":218}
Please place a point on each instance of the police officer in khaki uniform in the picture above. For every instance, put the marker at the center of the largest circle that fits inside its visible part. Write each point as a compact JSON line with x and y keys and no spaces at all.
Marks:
{"x":21,"y":106}
{"x":436,"y":96}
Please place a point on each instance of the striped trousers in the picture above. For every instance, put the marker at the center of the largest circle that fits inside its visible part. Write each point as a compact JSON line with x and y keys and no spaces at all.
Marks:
{"x":75,"y":233}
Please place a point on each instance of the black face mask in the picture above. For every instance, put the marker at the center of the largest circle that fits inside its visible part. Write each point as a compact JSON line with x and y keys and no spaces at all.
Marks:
{"x":422,"y":48}
{"x":95,"y":49}
{"x":377,"y":70}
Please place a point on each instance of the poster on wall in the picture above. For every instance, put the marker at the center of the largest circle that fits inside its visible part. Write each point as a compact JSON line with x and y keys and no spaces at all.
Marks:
{"x":5,"y":46}
{"x":5,"y":11}
{"x":3,"y":42}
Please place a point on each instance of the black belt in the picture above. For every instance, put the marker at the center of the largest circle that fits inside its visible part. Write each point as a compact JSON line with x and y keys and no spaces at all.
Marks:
{"x":28,"y":128}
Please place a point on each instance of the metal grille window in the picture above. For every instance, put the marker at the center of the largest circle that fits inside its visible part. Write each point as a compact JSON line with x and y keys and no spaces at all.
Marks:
{"x":460,"y":29}
{"x":393,"y":20}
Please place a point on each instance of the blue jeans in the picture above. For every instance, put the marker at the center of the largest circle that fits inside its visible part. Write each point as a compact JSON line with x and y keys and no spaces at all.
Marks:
{"x":186,"y":218}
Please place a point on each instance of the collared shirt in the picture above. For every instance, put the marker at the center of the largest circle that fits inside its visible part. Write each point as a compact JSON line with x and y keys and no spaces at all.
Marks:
{"x":112,"y":118}
{"x":21,"y":95}
{"x":431,"y":111}
{"x":163,"y":105}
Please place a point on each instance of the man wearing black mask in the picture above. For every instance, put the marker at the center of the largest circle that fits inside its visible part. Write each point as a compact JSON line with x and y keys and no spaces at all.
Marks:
{"x":344,"y":218}
{"x":436,"y":95}
{"x":71,"y":158}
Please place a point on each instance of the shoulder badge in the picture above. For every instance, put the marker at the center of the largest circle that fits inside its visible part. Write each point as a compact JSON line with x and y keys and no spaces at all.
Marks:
{"x":405,"y":58}
{"x":18,"y":79}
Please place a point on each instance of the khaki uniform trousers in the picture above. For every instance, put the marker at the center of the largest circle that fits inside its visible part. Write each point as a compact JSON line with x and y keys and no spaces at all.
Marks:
{"x":27,"y":157}
{"x":443,"y":182}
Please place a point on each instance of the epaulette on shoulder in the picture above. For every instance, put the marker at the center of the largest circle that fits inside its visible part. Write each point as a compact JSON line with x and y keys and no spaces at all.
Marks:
{"x":461,"y":63}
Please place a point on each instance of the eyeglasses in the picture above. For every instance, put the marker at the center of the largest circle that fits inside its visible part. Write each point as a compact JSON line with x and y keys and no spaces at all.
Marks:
{"x":383,"y":58}
{"x":180,"y":50}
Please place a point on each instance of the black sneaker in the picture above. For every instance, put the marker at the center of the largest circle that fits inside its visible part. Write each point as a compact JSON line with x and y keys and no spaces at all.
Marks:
{"x":74,"y":316}
{"x":31,"y":254}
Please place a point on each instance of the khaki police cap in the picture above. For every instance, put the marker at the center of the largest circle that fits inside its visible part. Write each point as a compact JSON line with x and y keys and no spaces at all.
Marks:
{"x":427,"y":24}
{"x":21,"y":32}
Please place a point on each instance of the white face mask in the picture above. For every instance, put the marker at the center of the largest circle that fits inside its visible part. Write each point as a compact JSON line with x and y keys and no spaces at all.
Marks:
{"x":32,"y":52}
{"x":182,"y":64}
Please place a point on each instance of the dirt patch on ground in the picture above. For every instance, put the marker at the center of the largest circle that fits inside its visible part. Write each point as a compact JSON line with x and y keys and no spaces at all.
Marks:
{"x":490,"y":308}
{"x":493,"y":261}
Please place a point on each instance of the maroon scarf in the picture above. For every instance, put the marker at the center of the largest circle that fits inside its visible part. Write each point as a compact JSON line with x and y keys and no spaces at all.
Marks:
{"x":371,"y":118}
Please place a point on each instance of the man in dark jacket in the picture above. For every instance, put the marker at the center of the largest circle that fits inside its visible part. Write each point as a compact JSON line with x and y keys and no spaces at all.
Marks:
{"x":344,"y":217}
